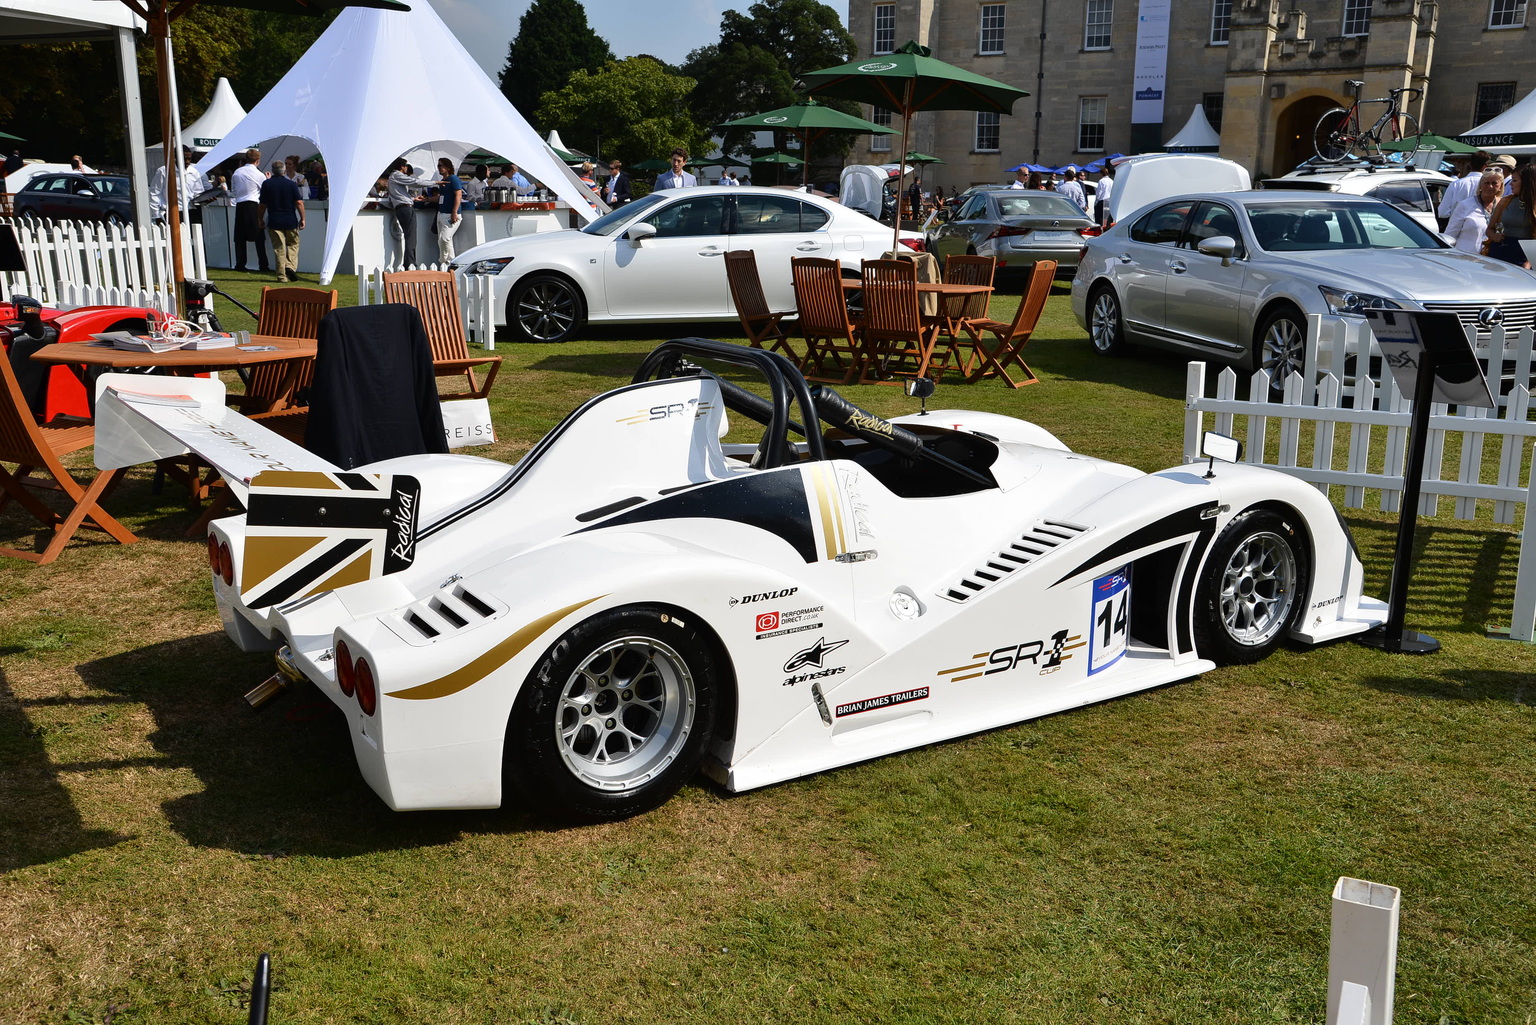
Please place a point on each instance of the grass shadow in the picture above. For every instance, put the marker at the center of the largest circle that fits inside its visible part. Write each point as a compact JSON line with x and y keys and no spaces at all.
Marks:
{"x":1461,"y":685}
{"x":277,"y":782}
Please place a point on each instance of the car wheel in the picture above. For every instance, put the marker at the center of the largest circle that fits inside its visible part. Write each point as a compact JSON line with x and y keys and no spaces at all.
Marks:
{"x":1281,"y":347}
{"x":114,"y":221}
{"x":1250,"y":588}
{"x":615,"y":717}
{"x":1106,"y":329}
{"x":544,"y":308}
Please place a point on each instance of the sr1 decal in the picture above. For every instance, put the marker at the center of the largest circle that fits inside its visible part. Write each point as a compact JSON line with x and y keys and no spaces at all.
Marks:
{"x":693,"y":407}
{"x":1046,"y":657}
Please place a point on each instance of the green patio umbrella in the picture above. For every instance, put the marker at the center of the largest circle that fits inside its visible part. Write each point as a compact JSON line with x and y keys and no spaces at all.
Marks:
{"x":651,"y":166}
{"x":8,"y":135}
{"x":777,"y":158}
{"x":922,"y":159}
{"x":808,"y":120}
{"x":159,"y":14}
{"x":1439,"y":143}
{"x":910,"y":80}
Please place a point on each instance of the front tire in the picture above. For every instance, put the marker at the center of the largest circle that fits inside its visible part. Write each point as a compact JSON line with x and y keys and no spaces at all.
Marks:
{"x":1280,"y":347}
{"x":1250,"y":588}
{"x":615,"y":717}
{"x":1332,"y":138}
{"x":545,"y":308}
{"x":1106,"y":327}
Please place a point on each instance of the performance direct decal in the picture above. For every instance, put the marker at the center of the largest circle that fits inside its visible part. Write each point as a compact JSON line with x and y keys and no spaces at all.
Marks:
{"x":883,"y":701}
{"x":790,"y":621}
{"x":1111,"y":620}
{"x":1045,"y":656}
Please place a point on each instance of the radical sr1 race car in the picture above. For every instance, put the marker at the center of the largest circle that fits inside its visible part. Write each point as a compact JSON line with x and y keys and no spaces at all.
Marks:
{"x":635,"y":599}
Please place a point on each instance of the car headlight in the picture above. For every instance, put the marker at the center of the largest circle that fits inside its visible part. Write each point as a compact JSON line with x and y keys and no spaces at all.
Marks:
{"x":1342,"y":302}
{"x":488,"y":266}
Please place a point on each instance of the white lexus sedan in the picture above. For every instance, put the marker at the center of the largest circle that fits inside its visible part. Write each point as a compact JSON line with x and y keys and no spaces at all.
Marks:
{"x":660,"y":258}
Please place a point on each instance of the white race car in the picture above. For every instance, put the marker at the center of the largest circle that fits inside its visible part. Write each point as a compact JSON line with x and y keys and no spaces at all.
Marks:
{"x":635,"y":598}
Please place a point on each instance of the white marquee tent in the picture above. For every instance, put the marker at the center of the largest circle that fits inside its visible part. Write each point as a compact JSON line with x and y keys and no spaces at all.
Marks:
{"x":1512,"y":132}
{"x":224,"y":113}
{"x":379,"y":84}
{"x":1197,"y":135}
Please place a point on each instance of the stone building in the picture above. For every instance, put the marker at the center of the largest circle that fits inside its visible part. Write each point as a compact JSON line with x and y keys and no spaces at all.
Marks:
{"x":1265,"y":70}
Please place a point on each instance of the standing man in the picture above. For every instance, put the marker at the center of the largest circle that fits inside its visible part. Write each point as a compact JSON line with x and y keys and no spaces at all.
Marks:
{"x":246,"y":183}
{"x":402,"y":208}
{"x":1072,"y":190}
{"x":676,"y":178}
{"x":450,"y":198}
{"x":1106,"y":189}
{"x":474,"y":187}
{"x":193,"y":184}
{"x":282,"y":211}
{"x":616,"y":189}
{"x":1020,"y":179}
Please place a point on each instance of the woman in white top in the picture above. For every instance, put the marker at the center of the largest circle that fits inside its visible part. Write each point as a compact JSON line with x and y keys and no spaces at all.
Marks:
{"x":1469,"y":221}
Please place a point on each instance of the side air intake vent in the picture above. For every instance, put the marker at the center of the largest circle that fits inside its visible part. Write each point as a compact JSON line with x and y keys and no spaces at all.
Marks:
{"x":453,"y":609}
{"x":1045,"y":537}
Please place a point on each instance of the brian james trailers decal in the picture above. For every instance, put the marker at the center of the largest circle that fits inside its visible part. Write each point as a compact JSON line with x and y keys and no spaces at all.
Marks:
{"x":883,"y":701}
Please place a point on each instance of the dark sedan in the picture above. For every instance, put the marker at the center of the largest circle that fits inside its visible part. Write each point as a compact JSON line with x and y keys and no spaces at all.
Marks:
{"x":77,"y":197}
{"x":1016,"y":227}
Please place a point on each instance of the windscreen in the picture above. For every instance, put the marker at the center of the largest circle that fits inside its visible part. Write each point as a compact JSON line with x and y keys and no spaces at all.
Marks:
{"x":614,"y":219}
{"x":1320,"y":227}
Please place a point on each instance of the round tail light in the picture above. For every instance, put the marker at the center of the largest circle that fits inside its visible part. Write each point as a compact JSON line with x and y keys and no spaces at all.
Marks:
{"x":346,"y":673}
{"x":213,"y":554}
{"x":226,"y":563}
{"x":367,"y":691}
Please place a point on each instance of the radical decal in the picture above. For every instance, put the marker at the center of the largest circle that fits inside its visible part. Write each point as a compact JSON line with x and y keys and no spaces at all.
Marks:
{"x":1111,"y":632}
{"x":748,"y":599}
{"x":883,"y":701}
{"x":813,"y":655}
{"x":693,"y":408}
{"x":792,"y":621}
{"x":1047,"y":657}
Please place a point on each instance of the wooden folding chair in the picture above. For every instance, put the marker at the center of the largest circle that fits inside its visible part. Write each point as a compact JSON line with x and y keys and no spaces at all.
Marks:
{"x":1010,"y":339}
{"x":832,"y":351}
{"x":287,"y":313}
{"x":760,"y":323}
{"x":955,"y":345}
{"x":436,"y":298}
{"x":895,"y":339}
{"x":35,"y":447}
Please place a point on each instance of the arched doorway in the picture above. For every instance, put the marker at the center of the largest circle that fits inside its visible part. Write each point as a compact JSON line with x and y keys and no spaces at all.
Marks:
{"x":1293,"y":131}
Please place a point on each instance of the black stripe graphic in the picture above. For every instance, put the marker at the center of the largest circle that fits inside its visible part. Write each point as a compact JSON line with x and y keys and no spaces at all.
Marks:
{"x":335,"y":511}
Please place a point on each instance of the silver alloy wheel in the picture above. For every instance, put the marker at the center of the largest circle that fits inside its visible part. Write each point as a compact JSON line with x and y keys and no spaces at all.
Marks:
{"x":1282,"y":350}
{"x":1258,"y":589}
{"x":625,"y":713}
{"x":1104,"y":322}
{"x":547,"y":310}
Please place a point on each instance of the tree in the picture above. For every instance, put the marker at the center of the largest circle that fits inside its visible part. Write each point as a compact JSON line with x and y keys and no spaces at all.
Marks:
{"x":760,"y":55}
{"x":553,"y":43}
{"x":636,"y":106}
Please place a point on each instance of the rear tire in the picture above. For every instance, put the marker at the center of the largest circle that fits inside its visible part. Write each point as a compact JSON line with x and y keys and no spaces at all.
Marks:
{"x":1250,"y":588}
{"x":1331,"y":138}
{"x":1106,"y":327}
{"x":615,"y":717}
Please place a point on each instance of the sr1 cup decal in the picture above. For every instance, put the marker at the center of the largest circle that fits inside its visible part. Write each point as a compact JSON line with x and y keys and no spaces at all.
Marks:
{"x":1045,"y":656}
{"x":1111,"y":620}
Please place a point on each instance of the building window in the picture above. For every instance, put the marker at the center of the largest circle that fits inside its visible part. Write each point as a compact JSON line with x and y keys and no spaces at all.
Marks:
{"x":988,"y":130}
{"x":1357,"y":17}
{"x":880,"y":143}
{"x":1213,"y":102}
{"x":1090,"y":123}
{"x":1506,"y":14}
{"x":885,"y":28}
{"x":1493,"y":99}
{"x":991,"y":28}
{"x":1221,"y":21}
{"x":1096,"y":21}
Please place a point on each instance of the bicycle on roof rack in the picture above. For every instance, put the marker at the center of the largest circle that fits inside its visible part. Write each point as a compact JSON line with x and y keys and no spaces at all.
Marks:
{"x":1339,"y":136}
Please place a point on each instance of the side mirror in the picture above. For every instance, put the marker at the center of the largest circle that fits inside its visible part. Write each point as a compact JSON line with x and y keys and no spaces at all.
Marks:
{"x":1219,"y":446}
{"x":638,"y":233}
{"x":1220,"y":245}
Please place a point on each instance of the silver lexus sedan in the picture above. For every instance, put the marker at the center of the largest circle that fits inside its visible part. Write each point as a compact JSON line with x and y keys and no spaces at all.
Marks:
{"x":1233,"y":275}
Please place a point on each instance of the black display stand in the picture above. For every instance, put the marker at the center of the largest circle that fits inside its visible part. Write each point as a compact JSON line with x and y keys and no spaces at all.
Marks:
{"x":1432,"y":360}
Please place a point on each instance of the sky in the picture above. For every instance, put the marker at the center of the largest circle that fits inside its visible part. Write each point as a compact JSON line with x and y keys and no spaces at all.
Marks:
{"x":666,"y":30}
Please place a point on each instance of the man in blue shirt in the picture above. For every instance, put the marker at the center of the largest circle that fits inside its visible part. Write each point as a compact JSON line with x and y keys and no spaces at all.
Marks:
{"x":450,"y":197}
{"x":282,"y":212}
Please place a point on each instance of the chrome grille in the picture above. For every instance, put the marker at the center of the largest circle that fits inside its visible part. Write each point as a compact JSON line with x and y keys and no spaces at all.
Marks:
{"x":1045,"y":537}
{"x":1518,"y":313}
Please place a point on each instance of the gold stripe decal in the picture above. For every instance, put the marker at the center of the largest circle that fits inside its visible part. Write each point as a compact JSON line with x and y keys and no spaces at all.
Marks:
{"x":825,"y":500}
{"x":308,"y":479}
{"x":491,"y":661}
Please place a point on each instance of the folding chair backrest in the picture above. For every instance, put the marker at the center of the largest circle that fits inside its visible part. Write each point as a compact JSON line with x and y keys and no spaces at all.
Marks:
{"x":746,"y":285}
{"x":436,"y":298}
{"x":1033,"y":303}
{"x":819,"y":296}
{"x":971,"y":270}
{"x":890,"y":297}
{"x":287,"y":313}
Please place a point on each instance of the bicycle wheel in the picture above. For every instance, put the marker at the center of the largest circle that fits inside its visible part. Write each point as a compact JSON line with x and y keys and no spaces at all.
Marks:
{"x":1335,"y":135}
{"x":1408,"y":132}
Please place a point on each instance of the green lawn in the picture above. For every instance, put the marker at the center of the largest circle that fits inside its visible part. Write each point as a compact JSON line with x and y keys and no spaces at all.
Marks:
{"x":1166,"y":857}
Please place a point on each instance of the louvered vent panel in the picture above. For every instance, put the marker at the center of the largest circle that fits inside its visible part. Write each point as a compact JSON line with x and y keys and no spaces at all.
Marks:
{"x":1045,"y":537}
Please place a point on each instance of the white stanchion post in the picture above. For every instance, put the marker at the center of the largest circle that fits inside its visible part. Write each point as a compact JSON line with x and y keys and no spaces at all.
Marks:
{"x":1354,"y":1005}
{"x":1363,"y":948}
{"x":1523,"y":625}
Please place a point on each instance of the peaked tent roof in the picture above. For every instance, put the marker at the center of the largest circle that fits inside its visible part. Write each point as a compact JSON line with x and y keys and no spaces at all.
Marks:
{"x":1197,"y":135}
{"x":224,"y":113}
{"x":375,"y":86}
{"x":1513,"y":131}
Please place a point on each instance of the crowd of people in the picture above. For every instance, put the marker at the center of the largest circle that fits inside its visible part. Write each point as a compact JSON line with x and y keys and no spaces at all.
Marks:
{"x":1491,"y":208}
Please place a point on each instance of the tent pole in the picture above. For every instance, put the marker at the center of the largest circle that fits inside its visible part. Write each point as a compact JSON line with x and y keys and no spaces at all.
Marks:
{"x":160,"y":28}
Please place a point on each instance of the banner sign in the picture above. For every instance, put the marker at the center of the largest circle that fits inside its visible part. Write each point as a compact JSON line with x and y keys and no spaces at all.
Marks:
{"x":1151,"y":76}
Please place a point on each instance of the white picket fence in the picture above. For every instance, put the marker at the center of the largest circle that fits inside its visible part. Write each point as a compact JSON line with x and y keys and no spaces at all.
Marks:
{"x":475,"y":299}
{"x":1377,"y":419}
{"x":79,"y":263}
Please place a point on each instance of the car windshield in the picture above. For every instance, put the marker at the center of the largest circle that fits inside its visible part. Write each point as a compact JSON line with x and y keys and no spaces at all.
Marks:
{"x":1314,"y":227}
{"x":612,"y":221}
